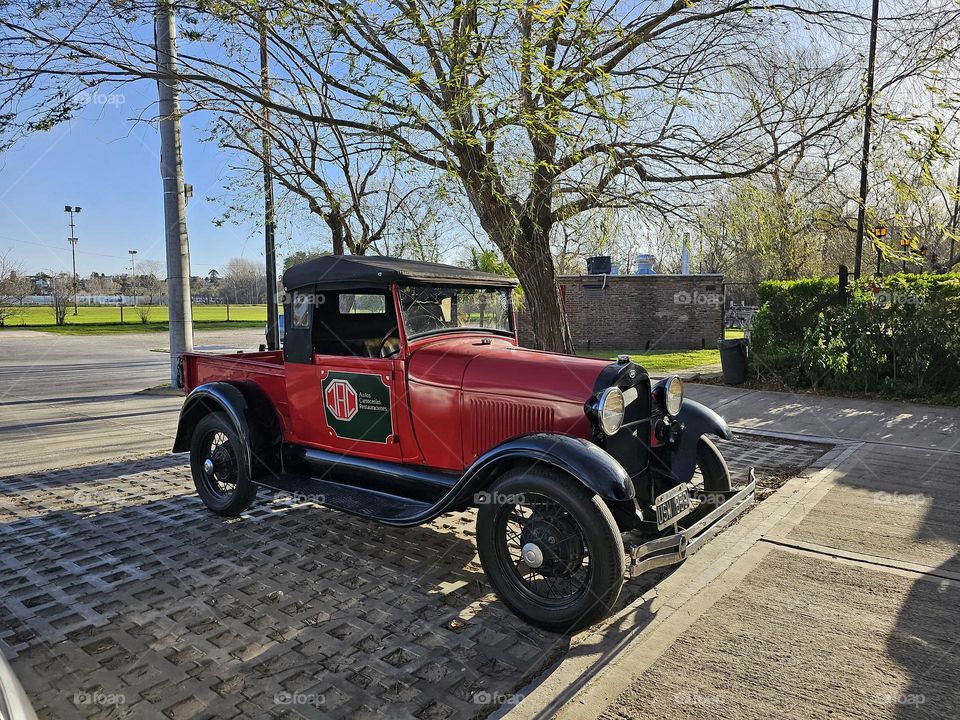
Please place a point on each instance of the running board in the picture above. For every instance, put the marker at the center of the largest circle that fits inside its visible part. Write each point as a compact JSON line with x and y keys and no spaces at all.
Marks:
{"x":673,"y":549}
{"x":364,"y":502}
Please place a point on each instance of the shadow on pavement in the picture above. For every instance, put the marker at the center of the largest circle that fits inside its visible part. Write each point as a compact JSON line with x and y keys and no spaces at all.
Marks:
{"x":108,"y":595}
{"x":919,"y":489}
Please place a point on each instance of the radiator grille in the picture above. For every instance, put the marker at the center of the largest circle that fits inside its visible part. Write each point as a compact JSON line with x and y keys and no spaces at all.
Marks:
{"x":494,"y":421}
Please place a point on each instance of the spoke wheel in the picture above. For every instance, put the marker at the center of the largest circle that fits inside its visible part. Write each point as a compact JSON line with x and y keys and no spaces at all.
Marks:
{"x":551,"y":549}
{"x":546,"y":548}
{"x":219,"y":466}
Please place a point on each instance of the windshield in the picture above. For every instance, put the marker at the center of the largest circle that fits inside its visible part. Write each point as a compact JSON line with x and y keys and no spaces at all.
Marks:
{"x":436,"y":308}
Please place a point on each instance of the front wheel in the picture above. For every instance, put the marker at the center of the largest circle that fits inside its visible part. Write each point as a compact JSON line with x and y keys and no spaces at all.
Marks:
{"x":219,"y":468}
{"x":551,"y":549}
{"x":713,"y":468}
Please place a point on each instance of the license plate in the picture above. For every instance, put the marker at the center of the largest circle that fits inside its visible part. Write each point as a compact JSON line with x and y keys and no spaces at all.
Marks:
{"x":672,"y":505}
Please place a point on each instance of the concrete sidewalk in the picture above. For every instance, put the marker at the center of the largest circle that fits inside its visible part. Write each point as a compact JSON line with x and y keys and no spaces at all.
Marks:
{"x":838,"y":596}
{"x":833,"y":419}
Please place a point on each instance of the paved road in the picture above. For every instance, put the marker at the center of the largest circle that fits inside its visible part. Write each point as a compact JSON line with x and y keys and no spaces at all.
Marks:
{"x":71,"y":400}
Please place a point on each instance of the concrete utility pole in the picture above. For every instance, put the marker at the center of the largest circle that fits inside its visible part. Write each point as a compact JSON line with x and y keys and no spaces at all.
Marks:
{"x":269,"y":217}
{"x":865,"y":160}
{"x":73,"y":252}
{"x":133,"y":262}
{"x":174,"y":192}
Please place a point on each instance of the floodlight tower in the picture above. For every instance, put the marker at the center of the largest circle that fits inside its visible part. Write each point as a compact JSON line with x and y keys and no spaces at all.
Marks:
{"x":73,"y":251}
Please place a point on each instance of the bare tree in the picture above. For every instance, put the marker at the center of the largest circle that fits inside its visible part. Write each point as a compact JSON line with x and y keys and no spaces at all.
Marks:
{"x":150,"y":280}
{"x":11,"y":287}
{"x":61,"y":294}
{"x":101,"y":284}
{"x":242,"y":282}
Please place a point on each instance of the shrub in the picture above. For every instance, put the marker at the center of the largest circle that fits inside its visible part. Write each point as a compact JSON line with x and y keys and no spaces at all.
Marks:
{"x":144,"y":313}
{"x":899,"y":335}
{"x":788,"y":308}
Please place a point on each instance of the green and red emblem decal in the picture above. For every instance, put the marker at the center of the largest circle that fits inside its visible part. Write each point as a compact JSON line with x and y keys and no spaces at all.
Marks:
{"x":357,"y":406}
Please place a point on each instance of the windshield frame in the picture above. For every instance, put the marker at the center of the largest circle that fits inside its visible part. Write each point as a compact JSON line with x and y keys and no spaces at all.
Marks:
{"x":468,"y":287}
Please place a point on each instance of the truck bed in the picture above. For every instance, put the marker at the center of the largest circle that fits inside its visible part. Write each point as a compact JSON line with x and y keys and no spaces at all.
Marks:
{"x":263,"y":368}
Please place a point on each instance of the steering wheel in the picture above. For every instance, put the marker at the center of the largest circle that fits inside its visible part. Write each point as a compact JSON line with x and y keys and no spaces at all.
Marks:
{"x":383,"y":344}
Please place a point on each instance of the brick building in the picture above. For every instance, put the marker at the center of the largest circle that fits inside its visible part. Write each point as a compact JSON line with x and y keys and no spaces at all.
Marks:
{"x":634,"y":313}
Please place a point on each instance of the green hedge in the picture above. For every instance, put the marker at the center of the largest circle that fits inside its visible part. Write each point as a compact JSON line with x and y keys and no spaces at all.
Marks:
{"x":788,"y":308}
{"x":899,"y":335}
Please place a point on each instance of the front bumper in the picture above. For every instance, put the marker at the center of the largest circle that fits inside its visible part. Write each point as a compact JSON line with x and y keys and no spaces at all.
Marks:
{"x":694,"y":531}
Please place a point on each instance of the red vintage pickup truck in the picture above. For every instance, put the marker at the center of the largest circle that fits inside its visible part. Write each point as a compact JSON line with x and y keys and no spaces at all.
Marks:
{"x":401,"y":394}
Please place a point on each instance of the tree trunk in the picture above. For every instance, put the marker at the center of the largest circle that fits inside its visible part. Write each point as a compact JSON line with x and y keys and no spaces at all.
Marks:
{"x":522,"y":232}
{"x":335,"y":223}
{"x":531,"y":259}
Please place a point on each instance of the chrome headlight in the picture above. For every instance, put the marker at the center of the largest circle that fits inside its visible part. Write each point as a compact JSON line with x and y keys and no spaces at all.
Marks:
{"x":610,"y":408}
{"x":673,"y":395}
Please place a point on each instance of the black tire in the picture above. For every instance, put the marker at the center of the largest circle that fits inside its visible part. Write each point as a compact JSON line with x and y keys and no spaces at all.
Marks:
{"x":550,"y":504}
{"x":227,"y":488}
{"x":716,"y":474}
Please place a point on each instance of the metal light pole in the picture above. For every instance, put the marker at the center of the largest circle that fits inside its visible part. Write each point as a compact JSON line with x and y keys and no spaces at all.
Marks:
{"x":865,"y":161}
{"x":133,"y":261}
{"x":955,"y":225}
{"x":174,"y":190}
{"x":879,"y":232}
{"x":269,"y":212}
{"x":73,"y":251}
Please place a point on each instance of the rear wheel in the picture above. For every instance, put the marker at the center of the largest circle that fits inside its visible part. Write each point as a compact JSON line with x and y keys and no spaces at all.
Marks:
{"x":219,"y":467}
{"x":551,"y":549}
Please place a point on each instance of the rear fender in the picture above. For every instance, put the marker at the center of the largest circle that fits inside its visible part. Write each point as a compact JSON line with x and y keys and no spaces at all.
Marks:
{"x":697,"y":420}
{"x":250,"y":411}
{"x":582,"y":459}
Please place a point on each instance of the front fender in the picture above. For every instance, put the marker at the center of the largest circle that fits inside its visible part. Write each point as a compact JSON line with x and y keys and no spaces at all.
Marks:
{"x":580,"y":458}
{"x":249,"y":409}
{"x":697,"y":420}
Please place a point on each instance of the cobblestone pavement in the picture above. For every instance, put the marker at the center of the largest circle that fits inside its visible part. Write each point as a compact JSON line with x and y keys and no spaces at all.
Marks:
{"x":121,"y":596}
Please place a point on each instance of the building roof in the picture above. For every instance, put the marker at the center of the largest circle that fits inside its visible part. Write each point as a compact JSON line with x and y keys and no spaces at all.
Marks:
{"x":379,"y":270}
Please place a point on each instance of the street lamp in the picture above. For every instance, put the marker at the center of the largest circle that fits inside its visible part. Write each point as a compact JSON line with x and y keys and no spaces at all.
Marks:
{"x":73,"y":251}
{"x":879,"y":232}
{"x":905,"y":247}
{"x":133,"y":261}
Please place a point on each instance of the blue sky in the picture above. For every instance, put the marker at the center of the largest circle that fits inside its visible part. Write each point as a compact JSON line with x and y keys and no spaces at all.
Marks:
{"x":107,"y":162}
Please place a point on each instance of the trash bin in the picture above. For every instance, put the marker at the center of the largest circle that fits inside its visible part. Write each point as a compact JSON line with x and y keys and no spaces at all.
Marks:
{"x":733,"y":360}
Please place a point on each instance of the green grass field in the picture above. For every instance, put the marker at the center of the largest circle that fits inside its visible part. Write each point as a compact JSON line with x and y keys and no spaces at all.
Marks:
{"x":105,"y":320}
{"x":660,"y":362}
{"x":672,"y":360}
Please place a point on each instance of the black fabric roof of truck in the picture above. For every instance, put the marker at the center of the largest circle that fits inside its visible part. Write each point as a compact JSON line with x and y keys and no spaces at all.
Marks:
{"x":379,"y":270}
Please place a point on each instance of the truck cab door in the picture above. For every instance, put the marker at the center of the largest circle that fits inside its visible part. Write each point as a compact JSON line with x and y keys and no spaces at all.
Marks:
{"x":346,"y":398}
